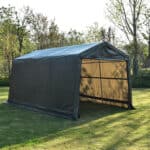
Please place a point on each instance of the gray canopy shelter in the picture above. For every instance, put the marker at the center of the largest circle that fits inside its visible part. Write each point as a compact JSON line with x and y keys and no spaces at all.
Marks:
{"x":55,"y":80}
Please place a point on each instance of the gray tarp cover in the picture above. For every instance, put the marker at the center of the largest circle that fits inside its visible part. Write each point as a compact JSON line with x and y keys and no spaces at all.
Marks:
{"x":49,"y":79}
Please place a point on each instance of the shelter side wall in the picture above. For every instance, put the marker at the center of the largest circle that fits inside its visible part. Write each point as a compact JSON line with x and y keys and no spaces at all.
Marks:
{"x":48,"y":84}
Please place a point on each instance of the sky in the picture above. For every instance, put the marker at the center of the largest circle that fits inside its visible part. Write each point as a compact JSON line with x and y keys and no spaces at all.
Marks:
{"x":75,"y":14}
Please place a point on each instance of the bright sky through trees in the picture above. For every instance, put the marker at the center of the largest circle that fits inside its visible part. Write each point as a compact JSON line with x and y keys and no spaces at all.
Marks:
{"x":76,"y":14}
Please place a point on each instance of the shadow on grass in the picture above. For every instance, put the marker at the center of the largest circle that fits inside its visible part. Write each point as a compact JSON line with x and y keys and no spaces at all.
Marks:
{"x":20,"y":126}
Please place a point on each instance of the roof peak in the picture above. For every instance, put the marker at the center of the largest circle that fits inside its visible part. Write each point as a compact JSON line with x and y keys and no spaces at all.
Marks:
{"x":60,"y":51}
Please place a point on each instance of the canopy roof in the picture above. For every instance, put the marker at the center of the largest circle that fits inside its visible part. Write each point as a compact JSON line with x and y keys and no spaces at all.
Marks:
{"x":59,"y":51}
{"x":82,"y":49}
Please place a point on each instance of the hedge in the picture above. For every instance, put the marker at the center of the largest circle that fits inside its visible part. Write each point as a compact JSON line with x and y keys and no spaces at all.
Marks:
{"x":141,"y":81}
{"x":4,"y":82}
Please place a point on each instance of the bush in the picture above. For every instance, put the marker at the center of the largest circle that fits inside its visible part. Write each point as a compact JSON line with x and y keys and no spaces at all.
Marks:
{"x":142,"y":80}
{"x":4,"y":82}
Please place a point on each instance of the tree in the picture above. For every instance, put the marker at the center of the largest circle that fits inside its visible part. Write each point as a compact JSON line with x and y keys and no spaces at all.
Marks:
{"x":8,"y":39}
{"x":95,"y":33}
{"x":142,"y":52}
{"x":63,"y":39}
{"x":39,"y":27}
{"x":13,"y":35}
{"x":125,"y":14}
{"x":110,"y":35}
{"x":22,"y":22}
{"x":74,"y":37}
{"x":54,"y":35}
{"x":103,"y":34}
{"x":146,"y":35}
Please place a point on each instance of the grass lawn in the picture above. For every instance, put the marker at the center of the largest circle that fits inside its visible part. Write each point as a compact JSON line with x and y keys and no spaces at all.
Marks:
{"x":100,"y":127}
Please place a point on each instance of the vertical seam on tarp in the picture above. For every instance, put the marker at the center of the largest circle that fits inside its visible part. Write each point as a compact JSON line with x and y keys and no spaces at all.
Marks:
{"x":77,"y":91}
{"x":80,"y":69}
{"x":100,"y":80}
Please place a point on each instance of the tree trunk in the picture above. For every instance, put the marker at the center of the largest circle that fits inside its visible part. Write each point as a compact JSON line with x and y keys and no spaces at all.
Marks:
{"x":20,"y":47}
{"x":20,"y":40}
{"x":135,"y":59}
{"x":9,"y":66}
{"x":135,"y":66}
{"x":149,"y":46}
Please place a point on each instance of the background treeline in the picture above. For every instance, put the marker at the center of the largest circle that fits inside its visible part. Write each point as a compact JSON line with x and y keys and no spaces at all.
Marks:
{"x":25,"y":30}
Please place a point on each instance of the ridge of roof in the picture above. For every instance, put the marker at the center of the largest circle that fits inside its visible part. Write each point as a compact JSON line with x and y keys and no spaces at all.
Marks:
{"x":59,"y":51}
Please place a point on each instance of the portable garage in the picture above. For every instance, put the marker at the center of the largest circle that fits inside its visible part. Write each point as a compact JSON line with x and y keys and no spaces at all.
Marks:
{"x":55,"y":80}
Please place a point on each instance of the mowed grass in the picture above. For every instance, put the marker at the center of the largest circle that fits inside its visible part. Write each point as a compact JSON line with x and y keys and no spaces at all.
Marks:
{"x":100,"y":127}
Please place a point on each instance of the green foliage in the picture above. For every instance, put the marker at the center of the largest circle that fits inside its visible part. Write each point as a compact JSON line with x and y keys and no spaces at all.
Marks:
{"x":142,"y":80}
{"x":95,"y":33}
{"x":24,"y":31}
{"x":3,"y":69}
{"x":4,"y":82}
{"x":8,"y":43}
{"x":142,"y":51}
{"x":28,"y":45}
{"x":74,"y":37}
{"x":39,"y":26}
{"x":100,"y":127}
{"x":13,"y":36}
{"x":127,"y":16}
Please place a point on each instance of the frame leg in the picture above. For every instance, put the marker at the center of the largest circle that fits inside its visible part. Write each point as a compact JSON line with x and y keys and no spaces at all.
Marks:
{"x":130,"y":106}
